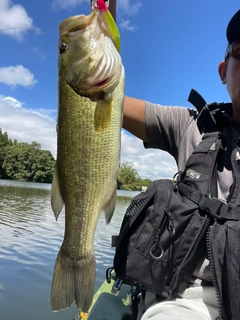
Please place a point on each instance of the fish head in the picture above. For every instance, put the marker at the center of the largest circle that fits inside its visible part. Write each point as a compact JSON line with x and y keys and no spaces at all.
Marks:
{"x":88,"y":59}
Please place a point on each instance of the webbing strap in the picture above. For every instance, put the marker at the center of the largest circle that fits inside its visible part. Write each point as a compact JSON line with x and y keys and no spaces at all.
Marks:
{"x":210,"y":115}
{"x":205,"y":118}
{"x":207,"y":142}
{"x":197,"y":100}
{"x":215,"y":207}
{"x":200,"y":171}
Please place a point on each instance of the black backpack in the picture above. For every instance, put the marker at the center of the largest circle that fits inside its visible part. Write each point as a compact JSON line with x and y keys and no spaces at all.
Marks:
{"x":166,"y":228}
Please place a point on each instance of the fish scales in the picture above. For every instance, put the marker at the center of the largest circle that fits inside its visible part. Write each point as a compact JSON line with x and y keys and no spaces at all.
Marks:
{"x":91,"y":91}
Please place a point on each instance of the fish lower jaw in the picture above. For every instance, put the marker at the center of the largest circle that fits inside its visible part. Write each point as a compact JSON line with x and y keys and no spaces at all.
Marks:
{"x":96,"y":91}
{"x":101,"y":83}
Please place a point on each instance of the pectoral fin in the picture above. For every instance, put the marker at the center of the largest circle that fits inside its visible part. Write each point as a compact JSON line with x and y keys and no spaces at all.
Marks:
{"x":56,"y":198}
{"x":102,"y":115}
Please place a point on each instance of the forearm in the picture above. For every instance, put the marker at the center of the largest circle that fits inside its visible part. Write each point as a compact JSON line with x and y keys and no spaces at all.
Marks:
{"x":134,"y":117}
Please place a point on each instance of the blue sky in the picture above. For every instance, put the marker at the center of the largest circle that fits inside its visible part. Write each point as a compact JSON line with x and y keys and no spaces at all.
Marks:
{"x":167,"y":48}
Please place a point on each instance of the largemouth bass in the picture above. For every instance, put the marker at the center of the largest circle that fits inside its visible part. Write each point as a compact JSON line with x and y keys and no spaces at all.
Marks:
{"x":90,"y":94}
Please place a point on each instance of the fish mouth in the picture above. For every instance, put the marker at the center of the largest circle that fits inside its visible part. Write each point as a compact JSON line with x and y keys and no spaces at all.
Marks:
{"x":97,"y":86}
{"x":95,"y":91}
{"x":96,"y":65}
{"x":102,"y":83}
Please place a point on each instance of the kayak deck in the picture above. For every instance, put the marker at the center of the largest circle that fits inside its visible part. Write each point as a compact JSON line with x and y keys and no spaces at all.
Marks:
{"x":108,"y":306}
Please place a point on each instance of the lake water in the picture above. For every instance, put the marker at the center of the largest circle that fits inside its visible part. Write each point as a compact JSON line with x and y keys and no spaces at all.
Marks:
{"x":30,"y":238}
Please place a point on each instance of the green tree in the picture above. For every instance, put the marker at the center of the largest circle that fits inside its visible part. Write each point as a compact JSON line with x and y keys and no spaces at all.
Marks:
{"x":43,"y":167}
{"x":146,"y":182}
{"x":27,"y":162}
{"x":128,"y":177}
{"x":4,"y":143}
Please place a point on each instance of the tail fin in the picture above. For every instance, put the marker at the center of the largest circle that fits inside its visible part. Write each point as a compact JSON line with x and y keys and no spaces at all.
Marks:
{"x":73,"y":280}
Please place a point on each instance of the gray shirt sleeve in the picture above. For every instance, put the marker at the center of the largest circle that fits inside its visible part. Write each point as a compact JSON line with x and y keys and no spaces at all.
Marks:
{"x":172,"y":129}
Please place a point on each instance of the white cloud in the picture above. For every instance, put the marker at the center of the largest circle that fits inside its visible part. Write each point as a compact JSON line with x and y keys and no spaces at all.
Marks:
{"x":14,"y":20}
{"x":27,"y":125}
{"x":13,"y":102}
{"x":129,"y":7}
{"x":150,"y":163}
{"x":126,"y":25}
{"x":39,"y":53}
{"x":17,"y":75}
{"x":68,"y":4}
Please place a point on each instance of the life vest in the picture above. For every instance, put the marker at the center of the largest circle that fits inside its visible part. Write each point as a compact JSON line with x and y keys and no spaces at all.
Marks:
{"x":166,"y":228}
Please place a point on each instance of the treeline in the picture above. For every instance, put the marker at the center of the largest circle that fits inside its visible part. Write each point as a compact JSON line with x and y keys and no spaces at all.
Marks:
{"x":129,"y":179}
{"x":25,"y":162}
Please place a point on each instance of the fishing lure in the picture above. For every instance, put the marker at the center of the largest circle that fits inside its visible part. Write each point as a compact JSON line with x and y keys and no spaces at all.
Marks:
{"x":108,"y":21}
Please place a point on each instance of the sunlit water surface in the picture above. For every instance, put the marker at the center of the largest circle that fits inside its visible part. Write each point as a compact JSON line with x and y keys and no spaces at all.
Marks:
{"x":30,"y":240}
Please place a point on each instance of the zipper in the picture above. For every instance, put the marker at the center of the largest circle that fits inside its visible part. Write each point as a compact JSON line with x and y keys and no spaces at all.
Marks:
{"x":171,"y":228}
{"x":209,"y":251}
{"x":188,"y":259}
{"x":157,"y":237}
{"x":167,"y":216}
{"x":160,"y":228}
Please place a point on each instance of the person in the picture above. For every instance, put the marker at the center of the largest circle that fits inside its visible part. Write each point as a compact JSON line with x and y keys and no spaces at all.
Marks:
{"x":175,"y":130}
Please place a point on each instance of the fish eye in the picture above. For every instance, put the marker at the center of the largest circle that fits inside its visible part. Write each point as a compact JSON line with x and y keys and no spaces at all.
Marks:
{"x":63,"y":47}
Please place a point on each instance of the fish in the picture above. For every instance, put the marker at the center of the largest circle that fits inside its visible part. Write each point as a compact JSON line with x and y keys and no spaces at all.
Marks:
{"x":91,"y":82}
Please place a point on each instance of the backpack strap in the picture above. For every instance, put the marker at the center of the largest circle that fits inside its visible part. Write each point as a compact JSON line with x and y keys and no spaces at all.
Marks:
{"x":209,"y":115}
{"x":216,"y":208}
{"x":198,"y":175}
{"x":200,"y":169}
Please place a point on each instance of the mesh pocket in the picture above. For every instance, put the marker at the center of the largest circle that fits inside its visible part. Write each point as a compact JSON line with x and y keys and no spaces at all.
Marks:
{"x":133,"y":210}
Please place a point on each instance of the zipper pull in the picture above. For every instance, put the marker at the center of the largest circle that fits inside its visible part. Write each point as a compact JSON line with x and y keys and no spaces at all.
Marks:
{"x":155,"y":247}
{"x":171,"y":228}
{"x":157,"y":237}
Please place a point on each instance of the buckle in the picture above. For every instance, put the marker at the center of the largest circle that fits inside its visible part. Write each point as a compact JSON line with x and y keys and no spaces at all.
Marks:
{"x":212,"y":206}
